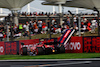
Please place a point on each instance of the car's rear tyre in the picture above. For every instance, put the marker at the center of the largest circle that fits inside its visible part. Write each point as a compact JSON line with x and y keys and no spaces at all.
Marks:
{"x":24,"y":51}
{"x":62,"y":49}
{"x":48,"y":51}
{"x":39,"y":51}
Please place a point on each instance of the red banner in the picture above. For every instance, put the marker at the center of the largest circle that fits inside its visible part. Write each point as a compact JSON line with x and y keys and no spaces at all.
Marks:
{"x":11,"y":48}
{"x":91,"y":44}
{"x":2,"y":50}
{"x":75,"y":45}
{"x":28,"y":43}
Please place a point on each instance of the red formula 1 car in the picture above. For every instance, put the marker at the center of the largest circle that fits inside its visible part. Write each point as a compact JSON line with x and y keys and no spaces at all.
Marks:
{"x":49,"y":46}
{"x":44,"y":48}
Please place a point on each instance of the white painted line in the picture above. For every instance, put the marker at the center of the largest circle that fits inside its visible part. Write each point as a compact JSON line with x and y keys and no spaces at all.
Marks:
{"x":84,"y":62}
{"x":86,"y":59}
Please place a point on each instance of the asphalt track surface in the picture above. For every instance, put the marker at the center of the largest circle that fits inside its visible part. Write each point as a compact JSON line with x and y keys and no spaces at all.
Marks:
{"x":51,"y":63}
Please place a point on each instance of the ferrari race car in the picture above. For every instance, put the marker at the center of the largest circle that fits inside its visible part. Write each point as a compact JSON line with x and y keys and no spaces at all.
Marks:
{"x":49,"y":46}
{"x":44,"y":48}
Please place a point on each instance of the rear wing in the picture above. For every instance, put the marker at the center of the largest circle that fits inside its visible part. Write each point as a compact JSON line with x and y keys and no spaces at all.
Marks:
{"x":66,"y":36}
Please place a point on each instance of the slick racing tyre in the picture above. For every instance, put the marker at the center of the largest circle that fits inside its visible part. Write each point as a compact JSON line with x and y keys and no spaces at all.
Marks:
{"x":62,"y":49}
{"x":48,"y":51}
{"x":39,"y":51}
{"x":24,"y":51}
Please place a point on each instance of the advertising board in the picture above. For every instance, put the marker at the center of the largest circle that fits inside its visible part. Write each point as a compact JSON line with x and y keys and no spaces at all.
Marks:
{"x":11,"y":48}
{"x":75,"y":45}
{"x":91,"y":44}
{"x":2,"y":49}
{"x":28,"y":43}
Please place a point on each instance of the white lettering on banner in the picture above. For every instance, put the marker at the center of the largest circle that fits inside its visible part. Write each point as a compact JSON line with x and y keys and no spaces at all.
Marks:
{"x":33,"y":45}
{"x":73,"y":46}
{"x":1,"y":49}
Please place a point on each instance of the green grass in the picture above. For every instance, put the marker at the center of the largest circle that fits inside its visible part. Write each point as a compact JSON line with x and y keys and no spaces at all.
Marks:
{"x":38,"y":36}
{"x":91,"y":34}
{"x":52,"y":56}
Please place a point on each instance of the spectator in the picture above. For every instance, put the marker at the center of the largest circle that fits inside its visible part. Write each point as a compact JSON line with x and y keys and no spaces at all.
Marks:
{"x":88,"y":26}
{"x":27,"y":28}
{"x":75,"y":21}
{"x":58,"y":30}
{"x":1,"y":35}
{"x":53,"y":20}
{"x":15,"y":28}
{"x":84,"y":20}
{"x":55,"y":24}
{"x":35,"y":28}
{"x":24,"y":27}
{"x":25,"y":34}
{"x":68,"y":21}
{"x":93,"y":26}
{"x":40,"y":26}
{"x":44,"y":28}
{"x":48,"y":24}
{"x":20,"y":27}
{"x":83,"y":28}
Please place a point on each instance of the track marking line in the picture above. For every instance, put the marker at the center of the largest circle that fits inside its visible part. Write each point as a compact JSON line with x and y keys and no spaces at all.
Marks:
{"x":88,"y":62}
